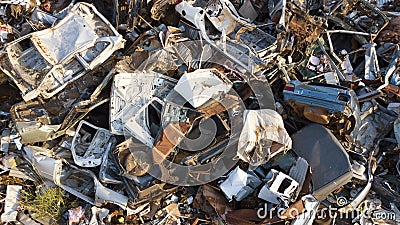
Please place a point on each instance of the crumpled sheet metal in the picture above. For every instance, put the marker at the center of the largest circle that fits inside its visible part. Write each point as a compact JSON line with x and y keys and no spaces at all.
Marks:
{"x":88,"y":148}
{"x":32,"y":122}
{"x":174,"y":127}
{"x":79,"y":182}
{"x":211,"y":201}
{"x":42,"y":162}
{"x":365,"y":12}
{"x":224,"y":17}
{"x":41,"y":121}
{"x":109,"y":169}
{"x":131,"y":95}
{"x":49,"y":19}
{"x":129,"y":166}
{"x":299,"y":172}
{"x":373,"y":128}
{"x":232,"y":49}
{"x":306,"y":28}
{"x":35,"y":132}
{"x":54,"y":47}
{"x":195,"y":15}
{"x":371,"y":62}
{"x":263,"y":135}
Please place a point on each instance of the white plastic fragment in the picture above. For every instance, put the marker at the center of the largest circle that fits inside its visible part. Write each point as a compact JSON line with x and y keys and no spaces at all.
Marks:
{"x":240,"y":184}
{"x":98,"y":215}
{"x":200,"y":86}
{"x":18,"y":143}
{"x":11,"y":203}
{"x":236,"y":181}
{"x":313,"y":63}
{"x":279,"y":187}
{"x":311,"y":207}
{"x":5,"y":140}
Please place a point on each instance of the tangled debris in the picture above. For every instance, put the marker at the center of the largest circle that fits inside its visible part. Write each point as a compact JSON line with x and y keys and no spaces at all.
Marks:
{"x":200,"y":112}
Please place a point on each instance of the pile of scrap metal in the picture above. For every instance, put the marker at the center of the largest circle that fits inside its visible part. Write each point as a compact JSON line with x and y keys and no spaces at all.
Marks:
{"x":203,"y":112}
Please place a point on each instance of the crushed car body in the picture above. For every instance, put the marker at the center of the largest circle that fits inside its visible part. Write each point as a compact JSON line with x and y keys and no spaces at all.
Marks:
{"x":43,"y":63}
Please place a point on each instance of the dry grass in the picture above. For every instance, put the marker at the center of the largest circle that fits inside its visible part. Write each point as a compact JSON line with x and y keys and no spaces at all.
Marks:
{"x":49,"y":203}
